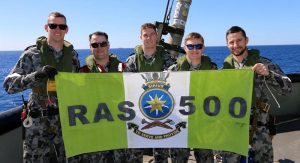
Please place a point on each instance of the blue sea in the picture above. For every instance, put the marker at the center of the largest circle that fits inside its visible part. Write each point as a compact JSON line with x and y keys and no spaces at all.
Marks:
{"x":287,"y":56}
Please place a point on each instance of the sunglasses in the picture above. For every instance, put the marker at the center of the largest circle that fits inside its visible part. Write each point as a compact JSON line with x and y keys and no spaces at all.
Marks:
{"x":60,"y":26}
{"x":192,"y":46}
{"x":97,"y":44}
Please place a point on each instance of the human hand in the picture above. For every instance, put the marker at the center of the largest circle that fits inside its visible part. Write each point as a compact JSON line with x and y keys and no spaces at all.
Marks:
{"x":261,"y":69}
{"x":46,"y":72}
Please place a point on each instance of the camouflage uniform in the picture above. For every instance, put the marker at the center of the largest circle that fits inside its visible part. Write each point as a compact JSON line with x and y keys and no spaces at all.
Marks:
{"x":133,"y":65}
{"x":94,"y":157}
{"x":114,"y":65}
{"x":227,"y":157}
{"x":43,"y":140}
{"x":261,"y":141}
{"x":181,"y":155}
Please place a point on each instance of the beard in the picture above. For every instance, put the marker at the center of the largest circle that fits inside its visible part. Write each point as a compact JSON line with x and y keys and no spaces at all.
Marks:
{"x":239,"y":54}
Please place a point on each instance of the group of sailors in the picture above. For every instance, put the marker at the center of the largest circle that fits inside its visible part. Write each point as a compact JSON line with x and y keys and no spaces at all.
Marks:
{"x":41,"y":62}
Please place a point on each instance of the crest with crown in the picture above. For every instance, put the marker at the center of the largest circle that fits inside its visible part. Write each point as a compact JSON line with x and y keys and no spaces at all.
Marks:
{"x":155,"y":80}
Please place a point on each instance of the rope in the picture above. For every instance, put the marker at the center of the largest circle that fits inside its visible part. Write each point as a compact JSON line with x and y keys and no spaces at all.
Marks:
{"x":271,"y":93}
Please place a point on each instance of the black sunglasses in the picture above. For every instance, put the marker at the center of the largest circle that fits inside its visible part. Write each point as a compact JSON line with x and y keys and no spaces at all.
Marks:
{"x":60,"y":26}
{"x":96,"y":44}
{"x":192,"y":46}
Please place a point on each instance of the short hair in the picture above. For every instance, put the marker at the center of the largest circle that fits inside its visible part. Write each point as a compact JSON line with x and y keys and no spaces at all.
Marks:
{"x":193,"y":35}
{"x":236,"y":29}
{"x":98,"y":33}
{"x":57,"y":15}
{"x":148,"y":25}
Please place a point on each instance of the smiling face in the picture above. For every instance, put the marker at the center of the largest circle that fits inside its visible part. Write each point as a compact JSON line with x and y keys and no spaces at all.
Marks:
{"x":237,"y":43}
{"x":101,"y":51}
{"x":194,"y":48}
{"x":56,"y":35}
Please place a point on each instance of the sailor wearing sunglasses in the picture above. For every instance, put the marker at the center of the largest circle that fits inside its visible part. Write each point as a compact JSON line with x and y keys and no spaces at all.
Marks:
{"x":194,"y":60}
{"x":101,"y":60}
{"x":39,"y":64}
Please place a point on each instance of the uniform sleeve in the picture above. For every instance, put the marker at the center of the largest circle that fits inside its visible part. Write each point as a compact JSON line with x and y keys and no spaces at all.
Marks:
{"x":214,"y":66}
{"x":75,"y":62}
{"x":21,"y":76}
{"x":174,"y":67}
{"x":277,"y":79}
{"x":131,"y":64}
{"x":168,"y":61}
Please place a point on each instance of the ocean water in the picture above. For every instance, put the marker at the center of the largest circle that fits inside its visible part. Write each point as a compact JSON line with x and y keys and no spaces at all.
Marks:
{"x":286,"y":56}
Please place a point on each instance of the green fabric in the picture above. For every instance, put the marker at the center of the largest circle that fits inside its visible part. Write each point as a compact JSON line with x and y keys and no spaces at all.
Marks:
{"x":107,"y":88}
{"x":251,"y":60}
{"x":143,"y":65}
{"x":112,"y":67}
{"x":183,"y":64}
{"x":65,"y":64}
{"x":222,"y":132}
{"x":229,"y":133}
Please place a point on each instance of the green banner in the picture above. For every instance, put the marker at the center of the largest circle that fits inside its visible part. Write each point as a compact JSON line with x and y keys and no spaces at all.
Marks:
{"x":96,"y":116}
{"x":223,"y":102}
{"x":83,"y":96}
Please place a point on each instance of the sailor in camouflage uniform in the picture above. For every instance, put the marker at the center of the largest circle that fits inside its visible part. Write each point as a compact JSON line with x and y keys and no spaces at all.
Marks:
{"x":149,"y":57}
{"x":38,"y":64}
{"x":100,"y":61}
{"x":194,"y":60}
{"x":267,"y":74}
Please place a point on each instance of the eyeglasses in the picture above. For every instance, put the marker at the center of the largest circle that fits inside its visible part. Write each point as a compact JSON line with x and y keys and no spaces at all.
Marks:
{"x":97,"y":44}
{"x":60,"y":26}
{"x":192,"y":46}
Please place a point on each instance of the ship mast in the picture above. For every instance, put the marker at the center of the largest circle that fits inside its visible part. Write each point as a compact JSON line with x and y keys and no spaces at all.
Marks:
{"x":176,"y":30}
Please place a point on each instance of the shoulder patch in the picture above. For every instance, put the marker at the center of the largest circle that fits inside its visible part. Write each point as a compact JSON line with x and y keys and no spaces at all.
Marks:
{"x":31,"y":46}
{"x":266,"y":59}
{"x":29,"y":52}
{"x":113,"y":55}
{"x":254,"y":51}
{"x":131,"y":57}
{"x":131,"y":54}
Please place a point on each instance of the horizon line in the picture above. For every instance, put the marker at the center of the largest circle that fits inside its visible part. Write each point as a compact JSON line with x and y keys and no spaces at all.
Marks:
{"x":206,"y":46}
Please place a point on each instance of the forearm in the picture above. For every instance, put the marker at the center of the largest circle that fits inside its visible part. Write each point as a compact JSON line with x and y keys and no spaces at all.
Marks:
{"x":22,"y":75}
{"x":278,"y":80}
{"x":15,"y":82}
{"x":131,"y":64}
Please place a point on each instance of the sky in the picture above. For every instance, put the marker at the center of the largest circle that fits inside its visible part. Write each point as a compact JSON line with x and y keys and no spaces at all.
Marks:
{"x":267,"y":22}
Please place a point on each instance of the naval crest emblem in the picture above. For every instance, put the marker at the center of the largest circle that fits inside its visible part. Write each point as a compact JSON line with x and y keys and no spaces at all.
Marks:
{"x":156,"y":104}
